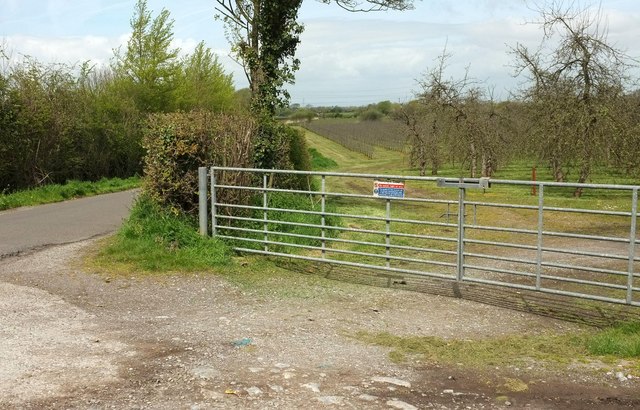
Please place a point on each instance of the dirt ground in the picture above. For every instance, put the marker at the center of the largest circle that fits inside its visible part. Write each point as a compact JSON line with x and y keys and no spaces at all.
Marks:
{"x":72,"y":339}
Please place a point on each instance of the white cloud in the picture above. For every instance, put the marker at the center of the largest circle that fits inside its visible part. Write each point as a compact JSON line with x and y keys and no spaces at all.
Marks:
{"x":346,"y":58}
{"x":69,"y":50}
{"x":378,"y":64}
{"x":366,"y":59}
{"x":624,"y":31}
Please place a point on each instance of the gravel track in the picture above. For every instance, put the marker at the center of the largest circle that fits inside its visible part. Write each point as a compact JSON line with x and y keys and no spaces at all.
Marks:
{"x":72,"y":339}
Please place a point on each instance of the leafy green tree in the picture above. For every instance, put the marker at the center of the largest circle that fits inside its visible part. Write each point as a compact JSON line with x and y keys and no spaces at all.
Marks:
{"x":264,"y":36}
{"x":371,"y":114}
{"x":7,"y":130}
{"x":149,"y":64}
{"x":43,"y":104}
{"x":385,"y":107}
{"x":203,"y":83}
{"x":57,"y":125}
{"x":113,"y":126}
{"x":305,"y":114}
{"x":242,"y":99}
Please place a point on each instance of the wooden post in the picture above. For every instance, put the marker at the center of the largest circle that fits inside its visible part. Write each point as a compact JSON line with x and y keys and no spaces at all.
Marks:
{"x":533,"y":178}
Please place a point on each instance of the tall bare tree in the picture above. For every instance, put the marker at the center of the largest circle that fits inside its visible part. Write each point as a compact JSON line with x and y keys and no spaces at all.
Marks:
{"x":461,"y":117}
{"x":577,"y":77}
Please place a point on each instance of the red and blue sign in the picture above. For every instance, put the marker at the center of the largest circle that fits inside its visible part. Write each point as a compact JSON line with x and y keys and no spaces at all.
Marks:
{"x":388,"y":189}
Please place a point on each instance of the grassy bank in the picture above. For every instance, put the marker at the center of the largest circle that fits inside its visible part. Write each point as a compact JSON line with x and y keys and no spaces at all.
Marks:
{"x":551,"y":350}
{"x":72,"y":189}
{"x":156,"y":240}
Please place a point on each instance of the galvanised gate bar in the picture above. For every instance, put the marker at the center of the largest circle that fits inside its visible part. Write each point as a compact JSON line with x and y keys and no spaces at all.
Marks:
{"x":518,"y":234}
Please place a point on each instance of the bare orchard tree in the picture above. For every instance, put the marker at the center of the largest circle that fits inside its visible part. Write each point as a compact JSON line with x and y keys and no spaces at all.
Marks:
{"x":461,"y":117}
{"x":576,"y":80}
{"x":625,"y":144}
{"x":422,"y":126}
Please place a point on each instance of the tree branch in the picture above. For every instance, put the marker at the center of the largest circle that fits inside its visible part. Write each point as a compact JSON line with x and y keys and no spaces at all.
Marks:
{"x":372,"y":5}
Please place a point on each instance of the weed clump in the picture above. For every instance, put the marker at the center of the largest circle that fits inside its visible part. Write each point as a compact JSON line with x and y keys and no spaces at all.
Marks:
{"x":158,"y":240}
{"x":620,"y":341}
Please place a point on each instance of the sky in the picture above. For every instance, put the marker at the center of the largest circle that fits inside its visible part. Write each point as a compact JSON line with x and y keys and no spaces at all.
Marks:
{"x":347,"y":58}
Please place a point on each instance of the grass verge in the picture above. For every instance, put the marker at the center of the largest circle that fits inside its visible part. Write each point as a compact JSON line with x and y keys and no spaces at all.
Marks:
{"x":156,"y":240}
{"x":319,"y":162}
{"x":620,"y":341}
{"x":609,"y":346}
{"x":72,"y":189}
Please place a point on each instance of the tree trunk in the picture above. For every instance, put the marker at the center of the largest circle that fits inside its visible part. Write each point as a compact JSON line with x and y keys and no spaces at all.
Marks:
{"x":487,"y":165}
{"x":474,"y":159}
{"x":434,"y":151}
{"x":585,"y":172}
{"x":556,"y":169}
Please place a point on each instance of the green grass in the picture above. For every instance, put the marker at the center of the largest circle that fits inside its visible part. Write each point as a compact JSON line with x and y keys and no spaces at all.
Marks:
{"x":319,"y":162}
{"x":497,"y":351}
{"x":619,"y":341}
{"x":72,"y":189}
{"x":608,"y":345}
{"x":156,"y":240}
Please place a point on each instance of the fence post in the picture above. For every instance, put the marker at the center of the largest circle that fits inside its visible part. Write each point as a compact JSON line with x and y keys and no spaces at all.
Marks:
{"x":214,"y":219}
{"x":632,"y":244}
{"x":265,"y":205}
{"x":539,"y":240}
{"x":323,"y":221}
{"x":387,"y":240}
{"x":202,"y":200}
{"x":460,"y":251}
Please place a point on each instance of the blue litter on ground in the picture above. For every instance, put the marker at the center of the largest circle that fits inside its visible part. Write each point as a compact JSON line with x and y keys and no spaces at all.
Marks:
{"x":246,"y":341}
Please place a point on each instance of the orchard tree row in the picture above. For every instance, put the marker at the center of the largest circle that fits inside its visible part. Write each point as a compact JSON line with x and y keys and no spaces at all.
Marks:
{"x":578,"y":109}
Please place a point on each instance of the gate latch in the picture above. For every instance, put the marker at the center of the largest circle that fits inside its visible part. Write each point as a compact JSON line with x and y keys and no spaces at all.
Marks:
{"x":483,"y":183}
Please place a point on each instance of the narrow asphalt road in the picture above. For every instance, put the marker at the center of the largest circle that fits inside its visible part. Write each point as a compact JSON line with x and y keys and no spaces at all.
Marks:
{"x":28,"y":228}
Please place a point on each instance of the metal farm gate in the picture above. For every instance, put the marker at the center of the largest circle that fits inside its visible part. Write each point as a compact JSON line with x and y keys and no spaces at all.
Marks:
{"x":518,"y":234}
